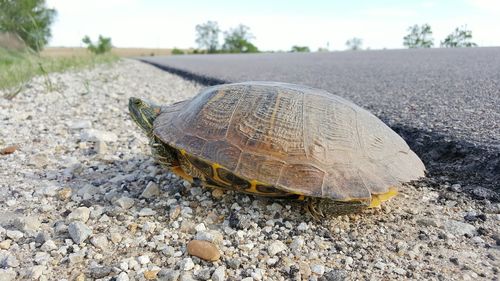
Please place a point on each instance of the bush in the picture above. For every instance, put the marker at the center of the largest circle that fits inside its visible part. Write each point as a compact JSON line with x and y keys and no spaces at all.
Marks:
{"x":103,"y":45}
{"x":176,"y":51}
{"x":237,"y":40}
{"x":300,"y":49}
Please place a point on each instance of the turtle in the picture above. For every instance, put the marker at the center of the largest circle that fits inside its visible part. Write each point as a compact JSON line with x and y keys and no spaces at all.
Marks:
{"x":280,"y":140}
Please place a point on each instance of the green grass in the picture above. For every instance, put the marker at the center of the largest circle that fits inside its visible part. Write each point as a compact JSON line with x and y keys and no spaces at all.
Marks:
{"x":17,"y":68}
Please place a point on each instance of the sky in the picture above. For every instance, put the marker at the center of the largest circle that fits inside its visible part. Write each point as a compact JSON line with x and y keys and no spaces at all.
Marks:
{"x":276,"y":25}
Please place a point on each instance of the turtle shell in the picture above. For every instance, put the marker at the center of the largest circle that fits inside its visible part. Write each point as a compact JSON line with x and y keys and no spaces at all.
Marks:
{"x":293,"y":138}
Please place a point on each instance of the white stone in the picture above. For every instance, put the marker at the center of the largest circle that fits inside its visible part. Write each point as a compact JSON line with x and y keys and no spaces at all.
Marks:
{"x":349,"y":261}
{"x":276,"y":247}
{"x":79,"y":124}
{"x":122,"y":277}
{"x":14,"y":234}
{"x":79,"y":232}
{"x":200,"y":227}
{"x":186,"y":264}
{"x":146,"y":212}
{"x":297,"y":244}
{"x":152,"y":190}
{"x":36,"y":271}
{"x":99,"y":241}
{"x":302,"y":226}
{"x":219,"y":274}
{"x":124,"y":202}
{"x":48,"y":246}
{"x":79,"y":214}
{"x":318,"y":268}
{"x":98,"y":135}
{"x":144,"y":259}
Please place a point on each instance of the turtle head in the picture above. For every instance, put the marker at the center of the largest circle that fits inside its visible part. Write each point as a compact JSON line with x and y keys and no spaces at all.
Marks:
{"x":143,"y":113}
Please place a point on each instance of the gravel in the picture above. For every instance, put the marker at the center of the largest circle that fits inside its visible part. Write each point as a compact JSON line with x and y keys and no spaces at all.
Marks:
{"x":92,"y":220}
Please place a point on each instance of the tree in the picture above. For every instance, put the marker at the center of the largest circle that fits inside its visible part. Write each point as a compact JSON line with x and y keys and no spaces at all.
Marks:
{"x":29,"y":19}
{"x":459,"y":38}
{"x":300,"y":49}
{"x":207,"y":36}
{"x":102,"y":46}
{"x":354,"y":43}
{"x":419,"y":37}
{"x":237,"y":40}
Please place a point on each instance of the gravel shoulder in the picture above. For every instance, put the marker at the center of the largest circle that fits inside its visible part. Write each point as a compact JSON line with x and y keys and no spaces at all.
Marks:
{"x":81,"y":199}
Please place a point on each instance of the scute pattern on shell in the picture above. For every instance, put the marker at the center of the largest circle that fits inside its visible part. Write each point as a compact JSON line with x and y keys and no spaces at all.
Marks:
{"x":299,"y":139}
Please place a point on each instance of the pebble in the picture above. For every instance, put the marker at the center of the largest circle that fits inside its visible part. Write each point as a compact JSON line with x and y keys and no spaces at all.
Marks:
{"x":125,"y":202}
{"x":219,"y":274}
{"x":217,"y":193}
{"x":210,"y":235}
{"x":144,"y":259}
{"x":302,"y":226}
{"x":98,"y":135}
{"x":459,"y":228}
{"x":349,"y":261}
{"x":14,"y":234}
{"x":99,"y":241}
{"x":116,"y":237}
{"x":276,"y":247}
{"x":8,"y":150}
{"x":7,"y":274}
{"x":186,"y":264}
{"x":318,"y":268}
{"x":79,"y":124}
{"x":5,"y":244}
{"x":203,"y":249}
{"x":79,"y":214}
{"x":28,"y":224}
{"x":37,"y":271}
{"x":297,"y":244}
{"x":48,"y":246}
{"x":427,"y":222}
{"x":146,"y":212}
{"x":380,"y":265}
{"x":64,"y":193}
{"x":123,"y":276}
{"x":152,"y":190}
{"x":168,"y":275}
{"x":79,"y":232}
{"x":151,"y":274}
{"x":100,"y":271}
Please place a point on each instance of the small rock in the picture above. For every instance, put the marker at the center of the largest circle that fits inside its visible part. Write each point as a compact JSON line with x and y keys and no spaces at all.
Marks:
{"x":211,"y":235}
{"x":124,"y":202}
{"x":14,"y":234}
{"x":349,"y":261}
{"x":334,"y":275}
{"x":27,"y":224}
{"x":123,"y":276}
{"x":454,"y":260}
{"x":459,"y":228}
{"x":99,"y":241}
{"x":234,"y":263}
{"x":204,"y":250}
{"x":79,"y":124}
{"x":100,"y":271}
{"x":186,"y":264}
{"x":48,"y":246}
{"x":5,"y":245}
{"x":152,"y":190}
{"x":116,"y":237}
{"x":318,"y":268}
{"x":79,"y":214}
{"x":42,"y":237}
{"x":98,"y":135}
{"x":200,"y":227}
{"x":7,"y":274}
{"x":219,"y":274}
{"x":8,"y":260}
{"x":64,"y":193}
{"x":151,"y":274}
{"x":168,"y":275}
{"x":302,"y":226}
{"x":276,"y":247}
{"x":399,"y":271}
{"x":144,"y":259}
{"x":76,"y":258}
{"x":380,"y":265}
{"x":8,"y":150}
{"x":217,"y":193}
{"x":79,"y":232}
{"x":297,"y":244}
{"x":427,"y":222}
{"x":36,"y":271}
{"x":42,"y":258}
{"x":146,"y":212}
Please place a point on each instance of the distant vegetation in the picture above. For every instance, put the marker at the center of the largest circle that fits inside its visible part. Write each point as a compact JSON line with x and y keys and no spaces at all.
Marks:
{"x":29,"y":19}
{"x":102,"y":46}
{"x":176,"y":51}
{"x":354,"y":44}
{"x":236,"y":40}
{"x":459,"y":38}
{"x":300,"y":49}
{"x":419,"y":37}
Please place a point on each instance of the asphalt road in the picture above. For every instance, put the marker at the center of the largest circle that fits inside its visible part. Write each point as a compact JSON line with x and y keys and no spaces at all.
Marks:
{"x":444,"y":102}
